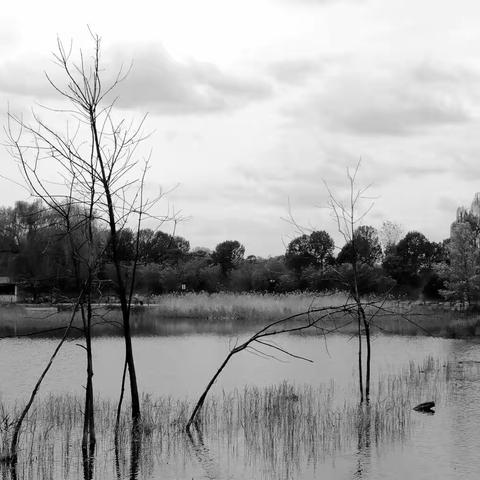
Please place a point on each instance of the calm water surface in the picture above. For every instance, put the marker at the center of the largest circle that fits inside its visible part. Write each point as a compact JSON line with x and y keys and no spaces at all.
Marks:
{"x":440,"y":446}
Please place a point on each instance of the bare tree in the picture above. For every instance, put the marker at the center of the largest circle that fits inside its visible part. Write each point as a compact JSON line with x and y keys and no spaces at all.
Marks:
{"x":75,"y":225}
{"x":348,"y":218}
{"x":99,"y":173}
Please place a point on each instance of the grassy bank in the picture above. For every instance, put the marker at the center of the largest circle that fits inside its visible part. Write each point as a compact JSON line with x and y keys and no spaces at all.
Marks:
{"x":229,"y":313}
{"x":247,"y":309}
{"x":395,"y":316}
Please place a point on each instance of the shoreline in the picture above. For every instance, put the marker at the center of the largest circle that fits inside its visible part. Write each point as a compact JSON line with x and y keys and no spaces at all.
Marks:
{"x":230,"y":312}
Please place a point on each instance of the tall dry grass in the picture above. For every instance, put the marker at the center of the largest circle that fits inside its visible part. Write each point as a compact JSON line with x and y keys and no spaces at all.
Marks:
{"x":390,"y":316}
{"x":236,"y":312}
{"x":242,"y":306}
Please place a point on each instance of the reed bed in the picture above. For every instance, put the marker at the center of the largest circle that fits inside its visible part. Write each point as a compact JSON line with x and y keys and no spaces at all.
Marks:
{"x":233,"y":311}
{"x":278,"y":429}
{"x":426,"y":320}
{"x":242,"y":306}
{"x":227,"y":313}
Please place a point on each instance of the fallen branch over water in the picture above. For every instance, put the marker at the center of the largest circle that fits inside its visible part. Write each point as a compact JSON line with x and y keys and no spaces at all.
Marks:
{"x":311,"y":319}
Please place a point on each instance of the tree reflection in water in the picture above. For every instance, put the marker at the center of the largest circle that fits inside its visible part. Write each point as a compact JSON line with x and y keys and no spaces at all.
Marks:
{"x":88,"y":461}
{"x":135,"y":455}
{"x":363,"y":452}
{"x":202,"y":453}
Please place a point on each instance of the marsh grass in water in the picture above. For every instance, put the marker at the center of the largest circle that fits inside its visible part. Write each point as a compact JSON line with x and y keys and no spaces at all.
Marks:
{"x":439,"y":317}
{"x":277,"y":430}
{"x":231,"y":313}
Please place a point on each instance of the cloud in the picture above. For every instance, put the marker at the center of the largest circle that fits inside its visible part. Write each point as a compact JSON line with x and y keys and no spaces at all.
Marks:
{"x":297,"y":172}
{"x":424,"y":170}
{"x":319,"y":2}
{"x":157,"y":82}
{"x":163,"y":84}
{"x":466,"y":165}
{"x":25,"y":76}
{"x":9,"y":33}
{"x":429,"y":73}
{"x":386,"y":102}
{"x":295,"y":71}
{"x":448,"y":204}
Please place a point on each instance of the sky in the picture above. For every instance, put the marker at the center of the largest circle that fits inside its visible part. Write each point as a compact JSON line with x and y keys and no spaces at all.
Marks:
{"x":255,"y":107}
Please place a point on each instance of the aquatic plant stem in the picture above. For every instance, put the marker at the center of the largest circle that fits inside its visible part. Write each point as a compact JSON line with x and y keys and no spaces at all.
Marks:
{"x":18,"y":425}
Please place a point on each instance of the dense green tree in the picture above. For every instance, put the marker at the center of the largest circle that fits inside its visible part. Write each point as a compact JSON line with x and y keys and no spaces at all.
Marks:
{"x":200,"y":252}
{"x":34,"y":251}
{"x":241,"y":278}
{"x":316,"y":279}
{"x":321,"y":247}
{"x":272,"y":275}
{"x":369,"y":279}
{"x":165,"y":248}
{"x":364,"y":248}
{"x":126,"y":245}
{"x":149,"y":281}
{"x":160,"y":247}
{"x":462,"y":273}
{"x":11,"y":229}
{"x":228,"y":255}
{"x":315,"y":249}
{"x":194,"y":273}
{"x":39,"y":258}
{"x":473,"y":221}
{"x":145,"y":236}
{"x":297,"y":256}
{"x":410,"y":263}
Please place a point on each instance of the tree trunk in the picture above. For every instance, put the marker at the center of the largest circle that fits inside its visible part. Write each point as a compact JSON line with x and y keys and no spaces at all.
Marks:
{"x":360,"y":368}
{"x":366,"y":325}
{"x":356,"y":296}
{"x":89,"y":438}
{"x":122,"y":292}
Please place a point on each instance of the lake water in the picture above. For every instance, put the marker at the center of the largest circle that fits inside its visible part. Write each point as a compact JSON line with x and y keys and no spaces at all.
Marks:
{"x":440,"y":446}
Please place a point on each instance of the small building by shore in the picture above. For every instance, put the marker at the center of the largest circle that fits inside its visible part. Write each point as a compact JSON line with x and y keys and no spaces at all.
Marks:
{"x":8,"y":290}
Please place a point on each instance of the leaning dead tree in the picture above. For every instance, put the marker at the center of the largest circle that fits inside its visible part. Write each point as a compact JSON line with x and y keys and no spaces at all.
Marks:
{"x":311,"y":319}
{"x":99,"y":174}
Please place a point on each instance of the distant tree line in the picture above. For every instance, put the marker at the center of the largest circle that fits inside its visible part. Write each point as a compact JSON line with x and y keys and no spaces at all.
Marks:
{"x":34,"y":253}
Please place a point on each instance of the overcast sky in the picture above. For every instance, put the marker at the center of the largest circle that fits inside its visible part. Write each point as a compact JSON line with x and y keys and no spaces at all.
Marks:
{"x":254,"y":104}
